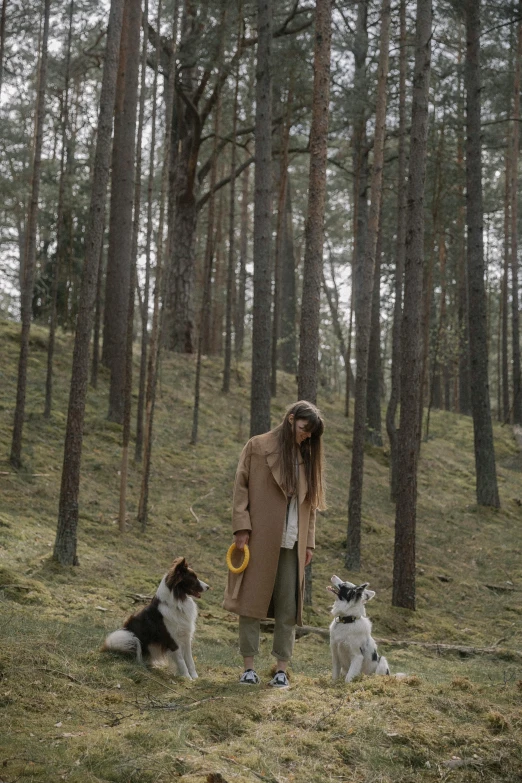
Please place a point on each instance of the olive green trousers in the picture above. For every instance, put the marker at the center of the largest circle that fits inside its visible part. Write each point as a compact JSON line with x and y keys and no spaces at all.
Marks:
{"x":284,"y":601}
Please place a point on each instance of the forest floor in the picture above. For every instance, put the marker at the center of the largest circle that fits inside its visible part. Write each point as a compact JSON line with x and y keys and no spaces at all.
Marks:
{"x":69,"y":712}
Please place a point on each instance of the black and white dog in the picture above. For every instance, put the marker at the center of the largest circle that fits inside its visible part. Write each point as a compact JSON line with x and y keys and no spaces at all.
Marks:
{"x":353,"y":649}
{"x":163,"y":630}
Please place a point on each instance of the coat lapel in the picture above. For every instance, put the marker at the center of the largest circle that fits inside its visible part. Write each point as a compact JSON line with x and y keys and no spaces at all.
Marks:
{"x":273,"y":461}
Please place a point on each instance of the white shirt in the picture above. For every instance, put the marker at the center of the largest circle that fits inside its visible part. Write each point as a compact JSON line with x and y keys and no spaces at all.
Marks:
{"x":291,"y":527}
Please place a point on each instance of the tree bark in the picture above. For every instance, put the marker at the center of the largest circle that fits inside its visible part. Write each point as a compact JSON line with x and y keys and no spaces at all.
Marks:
{"x":231,"y":240}
{"x":260,"y":390}
{"x":127,"y":407}
{"x":95,"y":362}
{"x":411,"y":338}
{"x":280,"y":235}
{"x":60,"y":226}
{"x":120,"y":220}
{"x":464,"y":404}
{"x":363,"y":303}
{"x":374,"y":387}
{"x":217,"y":302}
{"x":515,"y":298}
{"x":138,"y":448}
{"x":28,"y":271}
{"x":393,"y":402}
{"x":505,"y":410}
{"x":204,"y":337}
{"x":486,"y":479}
{"x":242,"y":274}
{"x":66,"y":534}
{"x":160,"y":286}
{"x":288,"y":348}
{"x":314,"y":227}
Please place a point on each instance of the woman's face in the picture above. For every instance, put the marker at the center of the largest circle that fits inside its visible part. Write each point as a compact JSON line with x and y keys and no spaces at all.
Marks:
{"x":300,"y":431}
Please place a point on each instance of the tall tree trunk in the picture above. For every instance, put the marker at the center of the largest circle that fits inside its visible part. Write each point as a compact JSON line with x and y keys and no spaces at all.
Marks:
{"x":97,"y":319}
{"x":393,"y":402}
{"x":138,"y":449}
{"x":242,"y":273}
{"x":505,"y":411}
{"x":231,"y":240}
{"x":486,"y":479}
{"x":206,"y":326}
{"x":179,"y":315}
{"x":29,"y":264}
{"x":217,"y":299}
{"x":204,"y":337}
{"x":287,"y":351}
{"x":280,"y":232}
{"x":464,"y":405}
{"x":411,"y":338}
{"x":349,"y":379}
{"x":314,"y":227}
{"x":160,"y":286}
{"x":60,"y":226}
{"x":374,"y":388}
{"x":260,"y":389}
{"x":127,"y":408}
{"x":120,"y":220}
{"x":515,"y":298}
{"x":66,"y":534}
{"x":363,"y":302}
{"x":360,"y":168}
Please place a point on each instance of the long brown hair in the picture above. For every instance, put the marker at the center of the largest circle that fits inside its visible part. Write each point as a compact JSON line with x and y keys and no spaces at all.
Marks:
{"x":311,"y":451}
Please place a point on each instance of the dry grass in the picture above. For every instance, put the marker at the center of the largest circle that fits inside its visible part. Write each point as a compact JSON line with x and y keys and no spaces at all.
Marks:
{"x":68,"y":712}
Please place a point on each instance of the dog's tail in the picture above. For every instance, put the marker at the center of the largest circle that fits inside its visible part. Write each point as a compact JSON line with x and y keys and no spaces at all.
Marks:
{"x":125,"y":642}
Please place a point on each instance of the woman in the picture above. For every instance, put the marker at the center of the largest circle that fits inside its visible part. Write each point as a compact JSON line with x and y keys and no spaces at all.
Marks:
{"x":279,"y":485}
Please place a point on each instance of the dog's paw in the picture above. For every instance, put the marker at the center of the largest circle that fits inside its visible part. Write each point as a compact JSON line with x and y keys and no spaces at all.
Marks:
{"x":194,"y":675}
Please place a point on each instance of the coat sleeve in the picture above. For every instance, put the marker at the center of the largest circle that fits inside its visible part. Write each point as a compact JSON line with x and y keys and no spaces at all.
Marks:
{"x":310,"y":541}
{"x":241,"y":502}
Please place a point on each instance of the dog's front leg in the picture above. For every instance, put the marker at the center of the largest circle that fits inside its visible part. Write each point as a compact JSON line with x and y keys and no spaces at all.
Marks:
{"x":355,"y":667}
{"x":186,"y":651}
{"x":336,"y":664}
{"x":182,"y":669}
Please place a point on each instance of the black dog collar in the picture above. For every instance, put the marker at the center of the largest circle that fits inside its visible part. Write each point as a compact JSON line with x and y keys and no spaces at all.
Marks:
{"x":348,"y":619}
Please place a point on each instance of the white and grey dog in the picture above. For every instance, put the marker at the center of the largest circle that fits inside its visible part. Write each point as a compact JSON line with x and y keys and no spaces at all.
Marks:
{"x":354,"y":651}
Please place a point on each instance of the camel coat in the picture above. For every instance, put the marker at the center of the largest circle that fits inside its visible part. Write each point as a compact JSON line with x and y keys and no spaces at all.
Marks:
{"x":259,"y":505}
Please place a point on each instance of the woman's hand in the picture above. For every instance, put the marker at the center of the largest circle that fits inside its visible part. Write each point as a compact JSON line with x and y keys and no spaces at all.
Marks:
{"x":241,"y":538}
{"x":309,"y":555}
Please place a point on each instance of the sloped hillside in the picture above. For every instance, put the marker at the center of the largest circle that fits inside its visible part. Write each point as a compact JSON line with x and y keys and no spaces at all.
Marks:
{"x":70,"y":713}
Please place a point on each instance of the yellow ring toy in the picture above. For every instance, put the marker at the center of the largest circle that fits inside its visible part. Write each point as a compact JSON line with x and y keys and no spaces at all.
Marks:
{"x":246,"y":559}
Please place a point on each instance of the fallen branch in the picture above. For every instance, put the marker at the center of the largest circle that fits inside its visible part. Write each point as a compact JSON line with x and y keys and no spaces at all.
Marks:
{"x":14,"y":473}
{"x":197,"y":501}
{"x":139,"y":597}
{"x":499,"y":652}
{"x":502,"y":588}
{"x":174,"y":705}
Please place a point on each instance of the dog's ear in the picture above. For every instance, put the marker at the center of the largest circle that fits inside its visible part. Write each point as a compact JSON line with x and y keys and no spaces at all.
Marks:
{"x":368,"y":595}
{"x":177,"y":571}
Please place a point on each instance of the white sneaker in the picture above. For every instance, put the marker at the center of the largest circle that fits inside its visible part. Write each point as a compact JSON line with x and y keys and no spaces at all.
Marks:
{"x":279,"y":680}
{"x":249,"y":677}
